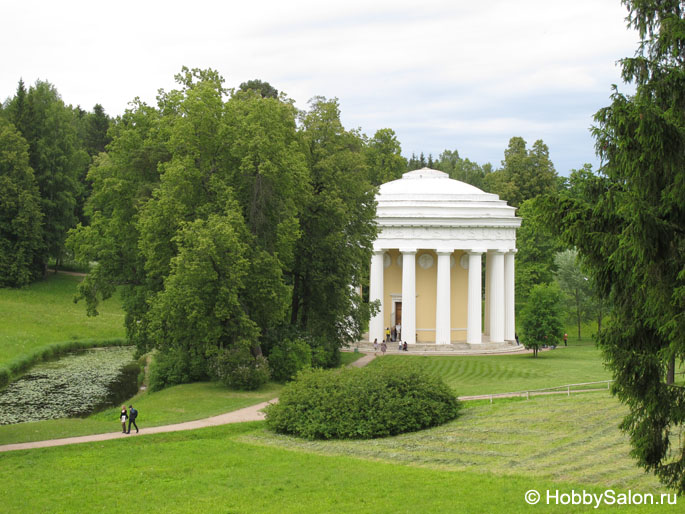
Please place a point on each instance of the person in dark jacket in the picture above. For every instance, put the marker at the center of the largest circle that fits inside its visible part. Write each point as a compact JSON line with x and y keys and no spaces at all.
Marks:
{"x":123,"y":417}
{"x":132,"y":415}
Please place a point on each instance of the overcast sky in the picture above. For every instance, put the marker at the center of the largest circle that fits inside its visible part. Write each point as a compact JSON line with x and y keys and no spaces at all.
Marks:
{"x":464,"y":75}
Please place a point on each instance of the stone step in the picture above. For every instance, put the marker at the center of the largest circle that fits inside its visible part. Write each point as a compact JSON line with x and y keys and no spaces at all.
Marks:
{"x":458,"y":347}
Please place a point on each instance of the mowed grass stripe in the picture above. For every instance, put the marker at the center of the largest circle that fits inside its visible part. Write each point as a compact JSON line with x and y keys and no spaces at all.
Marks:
{"x":218,"y":470}
{"x":557,"y":437}
{"x":484,"y":374}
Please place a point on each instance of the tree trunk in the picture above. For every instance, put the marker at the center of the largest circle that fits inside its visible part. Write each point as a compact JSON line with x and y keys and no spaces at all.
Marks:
{"x":670,"y":374}
{"x":295,"y":305}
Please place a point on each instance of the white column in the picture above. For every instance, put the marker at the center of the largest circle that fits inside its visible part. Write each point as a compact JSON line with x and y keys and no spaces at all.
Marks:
{"x":408,"y":295}
{"x":497,"y":297}
{"x":443,"y":332}
{"x":488,"y":287}
{"x":376,"y":293}
{"x":509,"y":297}
{"x":475,"y":297}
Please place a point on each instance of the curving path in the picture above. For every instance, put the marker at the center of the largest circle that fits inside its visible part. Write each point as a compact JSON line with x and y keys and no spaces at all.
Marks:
{"x":252,"y":413}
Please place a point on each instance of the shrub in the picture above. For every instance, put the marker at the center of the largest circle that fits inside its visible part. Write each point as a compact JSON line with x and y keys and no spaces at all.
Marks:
{"x":351,"y":403}
{"x":237,"y":368}
{"x":172,"y":367}
{"x":289,"y":356}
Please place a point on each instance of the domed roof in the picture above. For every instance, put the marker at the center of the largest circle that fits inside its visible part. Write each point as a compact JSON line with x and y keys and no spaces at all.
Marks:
{"x":427,"y":181}
{"x":430,"y":194}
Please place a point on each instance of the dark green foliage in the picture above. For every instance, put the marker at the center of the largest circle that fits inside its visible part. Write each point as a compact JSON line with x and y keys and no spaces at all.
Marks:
{"x":542,"y":318}
{"x":362,"y":403}
{"x":238,"y":368}
{"x":95,"y":131}
{"x":338,"y":228}
{"x":537,"y":246}
{"x":525,"y":173}
{"x":175,"y":366}
{"x":288,"y":356}
{"x":627,"y":223}
{"x":50,"y":129}
{"x":222,"y":221}
{"x":264,"y":89}
{"x":21,"y":241}
{"x":463,"y":170}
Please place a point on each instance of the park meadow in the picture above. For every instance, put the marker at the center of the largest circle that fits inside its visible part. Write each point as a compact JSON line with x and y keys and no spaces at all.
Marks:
{"x":484,"y":461}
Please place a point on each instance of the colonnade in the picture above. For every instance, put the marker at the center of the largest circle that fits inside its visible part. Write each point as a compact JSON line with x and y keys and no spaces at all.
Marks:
{"x":499,"y":320}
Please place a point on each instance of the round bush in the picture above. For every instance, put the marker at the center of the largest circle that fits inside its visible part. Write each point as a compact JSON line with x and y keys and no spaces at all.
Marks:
{"x":376,"y":401}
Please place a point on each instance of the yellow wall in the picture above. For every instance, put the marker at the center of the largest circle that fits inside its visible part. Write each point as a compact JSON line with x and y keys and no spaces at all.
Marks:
{"x":426,"y":291}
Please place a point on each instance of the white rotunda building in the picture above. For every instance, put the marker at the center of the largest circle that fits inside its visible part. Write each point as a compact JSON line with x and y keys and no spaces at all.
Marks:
{"x":427,"y":263}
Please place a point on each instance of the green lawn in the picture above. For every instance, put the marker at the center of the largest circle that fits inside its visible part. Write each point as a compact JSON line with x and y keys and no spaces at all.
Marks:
{"x":483,"y":374}
{"x":45,"y":313}
{"x":558,"y":438}
{"x":231,"y":469}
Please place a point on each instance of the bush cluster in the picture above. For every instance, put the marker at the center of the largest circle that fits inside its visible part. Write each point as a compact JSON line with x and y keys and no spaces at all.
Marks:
{"x":289,"y":356}
{"x":376,"y":401}
{"x":237,"y":368}
{"x":174,"y":366}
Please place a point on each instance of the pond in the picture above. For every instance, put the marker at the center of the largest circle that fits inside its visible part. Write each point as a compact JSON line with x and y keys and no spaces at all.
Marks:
{"x":75,"y":385}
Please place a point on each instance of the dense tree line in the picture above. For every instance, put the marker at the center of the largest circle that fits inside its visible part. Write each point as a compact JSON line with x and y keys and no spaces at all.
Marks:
{"x":45,"y":150}
{"x":235,"y":225}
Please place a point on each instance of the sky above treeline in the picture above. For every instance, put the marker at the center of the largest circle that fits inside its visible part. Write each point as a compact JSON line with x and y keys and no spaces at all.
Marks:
{"x":458,"y":75}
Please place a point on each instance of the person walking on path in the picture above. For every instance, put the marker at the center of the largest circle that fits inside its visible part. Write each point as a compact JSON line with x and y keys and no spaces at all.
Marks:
{"x":565,"y":339}
{"x":132,"y":415}
{"x":384,"y":347}
{"x":375,"y":346}
{"x":123,"y":417}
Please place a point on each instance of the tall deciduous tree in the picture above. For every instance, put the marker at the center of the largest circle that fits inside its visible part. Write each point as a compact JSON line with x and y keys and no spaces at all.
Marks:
{"x":21,"y":236}
{"x":338,"y":228}
{"x":525,"y":173}
{"x":384,"y":158}
{"x":628,"y":224}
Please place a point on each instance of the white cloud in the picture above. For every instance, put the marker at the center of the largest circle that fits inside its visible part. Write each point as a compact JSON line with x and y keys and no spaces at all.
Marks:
{"x":436,"y":72}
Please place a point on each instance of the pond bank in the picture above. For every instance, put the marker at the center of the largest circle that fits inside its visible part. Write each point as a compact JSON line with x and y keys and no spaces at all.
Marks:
{"x":75,"y":385}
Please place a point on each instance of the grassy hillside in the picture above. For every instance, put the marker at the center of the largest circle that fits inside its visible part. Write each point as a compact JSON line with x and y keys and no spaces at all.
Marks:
{"x":45,"y":313}
{"x":484,"y":461}
{"x":471,"y":375}
{"x":559,"y":438}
